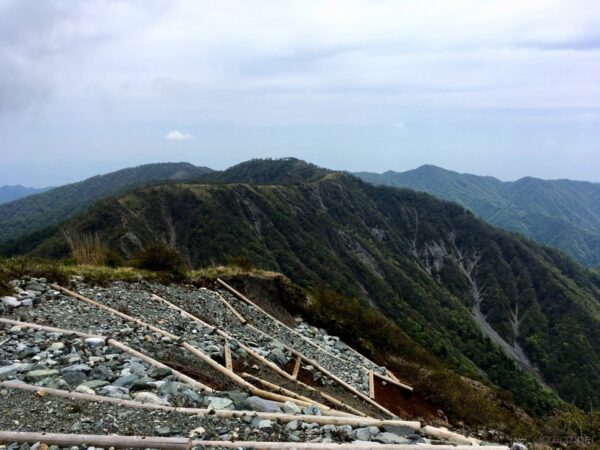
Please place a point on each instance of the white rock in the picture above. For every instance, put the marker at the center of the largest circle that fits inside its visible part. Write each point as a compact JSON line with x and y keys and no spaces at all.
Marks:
{"x":149,"y":397}
{"x":56,"y":347}
{"x":10,"y":302}
{"x":94,"y":341}
{"x":290,"y":407}
{"x":197,"y":432}
{"x":84,"y":390}
{"x":220,"y":403}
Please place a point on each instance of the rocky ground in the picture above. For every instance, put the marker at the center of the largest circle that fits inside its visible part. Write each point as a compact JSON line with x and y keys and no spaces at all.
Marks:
{"x":344,"y":363}
{"x":91,"y":366}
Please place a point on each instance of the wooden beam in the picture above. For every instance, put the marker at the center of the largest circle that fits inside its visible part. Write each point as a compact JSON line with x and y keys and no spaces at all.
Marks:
{"x":224,"y":413}
{"x":443,"y":433}
{"x":227,"y":352}
{"x":235,"y":312}
{"x":371,"y":385}
{"x":297,"y":366}
{"x":406,"y":387}
{"x":184,"y":443}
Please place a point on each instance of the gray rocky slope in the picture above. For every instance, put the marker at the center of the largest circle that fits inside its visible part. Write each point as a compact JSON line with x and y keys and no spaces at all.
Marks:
{"x":64,"y":361}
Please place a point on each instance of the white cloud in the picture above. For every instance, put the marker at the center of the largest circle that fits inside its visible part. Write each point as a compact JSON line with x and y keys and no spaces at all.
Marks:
{"x":299,"y":61}
{"x":177,"y":135}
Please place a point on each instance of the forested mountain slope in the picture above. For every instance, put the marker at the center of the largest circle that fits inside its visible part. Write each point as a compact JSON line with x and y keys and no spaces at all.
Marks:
{"x":31,"y":213}
{"x":428,"y":264}
{"x":562,"y":213}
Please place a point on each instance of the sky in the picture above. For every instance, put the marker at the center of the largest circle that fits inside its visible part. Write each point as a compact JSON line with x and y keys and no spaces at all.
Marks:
{"x":508,"y":88}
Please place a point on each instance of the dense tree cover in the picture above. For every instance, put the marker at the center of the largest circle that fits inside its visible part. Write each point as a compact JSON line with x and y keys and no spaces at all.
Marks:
{"x":29,"y":214}
{"x":404,"y":253}
{"x":561,"y":213}
{"x":276,"y":171}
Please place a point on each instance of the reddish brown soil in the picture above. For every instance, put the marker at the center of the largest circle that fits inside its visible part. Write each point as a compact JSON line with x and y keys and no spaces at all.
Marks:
{"x":403,"y":403}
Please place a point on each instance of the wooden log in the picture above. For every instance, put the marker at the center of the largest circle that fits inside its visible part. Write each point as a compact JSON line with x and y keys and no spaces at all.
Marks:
{"x":371,"y":385}
{"x":443,"y":433}
{"x":112,"y":343}
{"x":261,"y":358}
{"x":184,"y":443}
{"x":394,"y":382}
{"x":227,"y":353}
{"x":35,"y":326}
{"x":114,"y":311}
{"x":235,"y":312}
{"x":297,"y":366}
{"x":224,"y":413}
{"x":392,"y":376}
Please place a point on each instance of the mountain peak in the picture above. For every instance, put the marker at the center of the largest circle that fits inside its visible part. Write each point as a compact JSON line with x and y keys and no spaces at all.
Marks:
{"x":270,"y":171}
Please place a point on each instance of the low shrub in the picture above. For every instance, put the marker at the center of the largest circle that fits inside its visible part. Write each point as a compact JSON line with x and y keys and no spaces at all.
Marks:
{"x":158,"y":257}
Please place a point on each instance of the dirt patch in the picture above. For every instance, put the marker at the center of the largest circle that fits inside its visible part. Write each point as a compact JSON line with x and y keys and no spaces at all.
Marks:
{"x":403,"y":403}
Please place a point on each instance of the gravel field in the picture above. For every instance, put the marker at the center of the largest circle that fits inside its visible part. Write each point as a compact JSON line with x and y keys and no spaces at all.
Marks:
{"x":91,"y":366}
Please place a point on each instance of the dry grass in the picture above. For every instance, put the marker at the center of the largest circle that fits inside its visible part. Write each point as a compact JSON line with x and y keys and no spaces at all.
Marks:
{"x":216,"y":271}
{"x":86,"y":249}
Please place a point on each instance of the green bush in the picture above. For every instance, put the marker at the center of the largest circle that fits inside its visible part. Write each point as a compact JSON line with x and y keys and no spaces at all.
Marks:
{"x":160,"y":258}
{"x":4,"y":286}
{"x":113,"y":259}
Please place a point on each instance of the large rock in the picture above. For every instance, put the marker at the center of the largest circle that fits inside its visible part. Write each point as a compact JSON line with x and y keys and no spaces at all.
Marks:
{"x":13,"y":369}
{"x":363,"y":434}
{"x":290,"y":407}
{"x":278,"y":355}
{"x":261,"y":405}
{"x":149,"y":397}
{"x":84,"y":368}
{"x":37,"y":375}
{"x":74,"y":378}
{"x":311,"y":410}
{"x":220,"y":403}
{"x":391,"y":438}
{"x":94,"y":342}
{"x":10,"y":302}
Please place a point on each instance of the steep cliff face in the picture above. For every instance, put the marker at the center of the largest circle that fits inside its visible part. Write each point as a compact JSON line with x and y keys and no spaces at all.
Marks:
{"x":455,"y":284}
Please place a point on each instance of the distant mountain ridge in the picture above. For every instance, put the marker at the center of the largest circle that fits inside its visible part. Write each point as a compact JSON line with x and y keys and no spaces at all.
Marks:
{"x":15,"y":192}
{"x":562,"y":213}
{"x":38,"y":211}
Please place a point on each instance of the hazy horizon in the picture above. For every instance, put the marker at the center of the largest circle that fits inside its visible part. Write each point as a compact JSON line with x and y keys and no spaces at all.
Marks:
{"x":331,"y":168}
{"x":504,"y":89}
